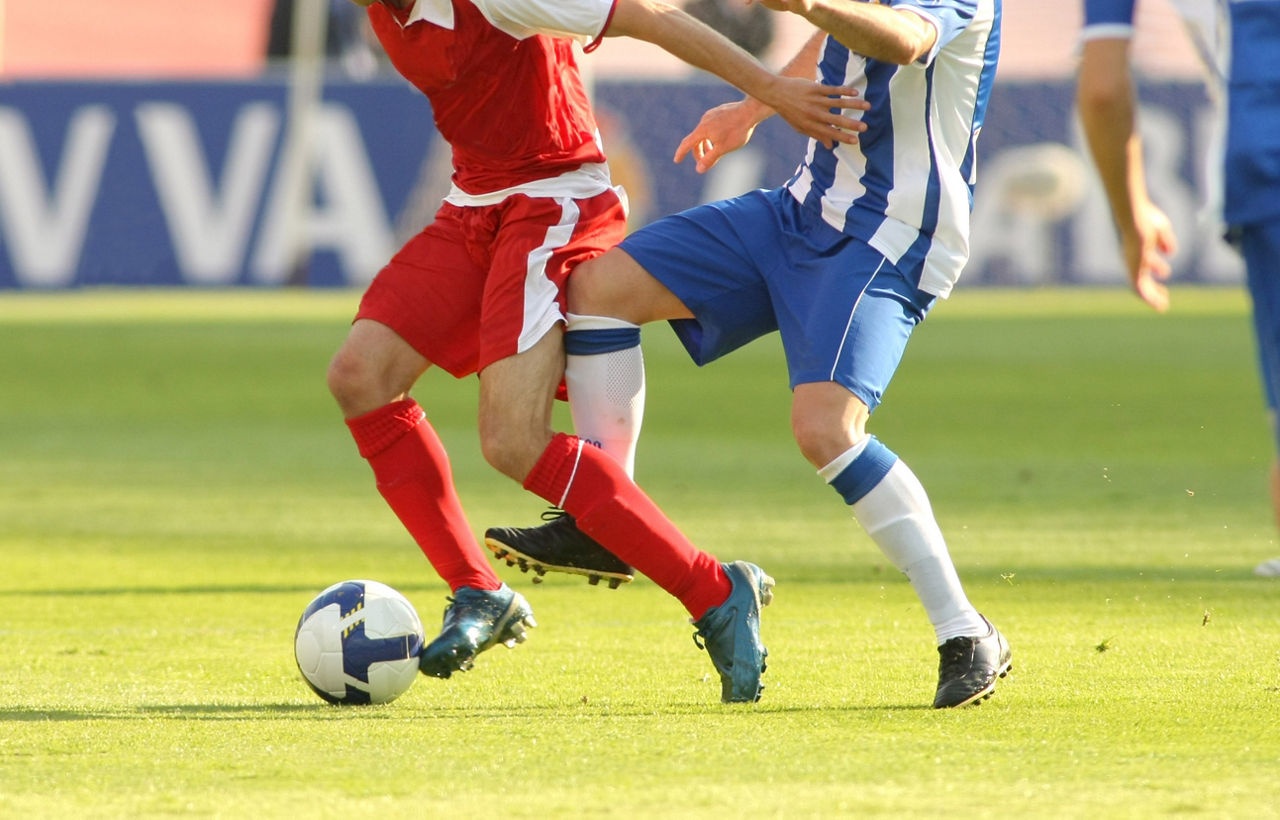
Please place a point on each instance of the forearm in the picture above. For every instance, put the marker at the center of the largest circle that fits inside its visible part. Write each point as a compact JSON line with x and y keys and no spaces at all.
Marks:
{"x":870,"y":29}
{"x":694,"y":42}
{"x":1107,"y":113}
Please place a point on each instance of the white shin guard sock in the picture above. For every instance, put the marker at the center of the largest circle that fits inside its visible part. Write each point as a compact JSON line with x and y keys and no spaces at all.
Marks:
{"x":897,"y":515}
{"x":606,"y":392}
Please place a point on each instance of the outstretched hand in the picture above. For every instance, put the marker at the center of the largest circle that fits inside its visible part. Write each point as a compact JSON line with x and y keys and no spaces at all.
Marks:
{"x":812,"y":109}
{"x":1146,"y":256}
{"x":817,"y":110}
{"x":723,"y":129}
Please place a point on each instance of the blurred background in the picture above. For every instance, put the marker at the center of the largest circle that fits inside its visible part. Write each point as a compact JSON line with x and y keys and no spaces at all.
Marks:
{"x":256,"y":142}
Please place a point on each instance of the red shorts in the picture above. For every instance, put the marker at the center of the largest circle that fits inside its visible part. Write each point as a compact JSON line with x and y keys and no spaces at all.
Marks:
{"x":482,"y":283}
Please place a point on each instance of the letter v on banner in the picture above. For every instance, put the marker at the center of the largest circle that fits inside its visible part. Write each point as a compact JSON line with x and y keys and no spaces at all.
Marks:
{"x":209,"y":225}
{"x":45,"y":225}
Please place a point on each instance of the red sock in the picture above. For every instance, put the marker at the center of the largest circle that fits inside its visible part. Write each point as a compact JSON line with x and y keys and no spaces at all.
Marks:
{"x":608,"y":506}
{"x":413,"y":475}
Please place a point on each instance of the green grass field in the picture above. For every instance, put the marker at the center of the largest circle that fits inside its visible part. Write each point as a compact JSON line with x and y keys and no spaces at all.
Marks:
{"x":176,"y":484}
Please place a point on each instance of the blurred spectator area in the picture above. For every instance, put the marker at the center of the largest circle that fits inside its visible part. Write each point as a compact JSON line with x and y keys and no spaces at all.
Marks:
{"x":133,"y":38}
{"x":161,"y":38}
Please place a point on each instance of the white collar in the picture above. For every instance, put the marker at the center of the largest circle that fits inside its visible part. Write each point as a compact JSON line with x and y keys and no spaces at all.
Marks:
{"x":436,"y":12}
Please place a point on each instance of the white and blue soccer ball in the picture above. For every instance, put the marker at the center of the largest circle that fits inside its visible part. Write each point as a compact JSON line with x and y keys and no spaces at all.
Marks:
{"x":359,"y":642}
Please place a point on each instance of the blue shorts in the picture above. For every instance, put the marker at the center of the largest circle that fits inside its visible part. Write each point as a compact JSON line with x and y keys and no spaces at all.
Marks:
{"x":761,"y":262}
{"x":1259,"y":244}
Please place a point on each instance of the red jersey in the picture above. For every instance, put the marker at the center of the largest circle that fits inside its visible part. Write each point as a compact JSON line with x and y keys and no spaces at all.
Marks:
{"x":505,"y":94}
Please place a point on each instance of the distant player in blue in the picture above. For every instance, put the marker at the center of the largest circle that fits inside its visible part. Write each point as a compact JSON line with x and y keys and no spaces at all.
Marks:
{"x":844,"y":261}
{"x":1239,"y":41}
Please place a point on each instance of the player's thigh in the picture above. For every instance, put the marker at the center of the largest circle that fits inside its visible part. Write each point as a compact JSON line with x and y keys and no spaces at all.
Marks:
{"x":616,"y":285}
{"x":539,"y":241}
{"x":711,"y":259}
{"x":845,"y":316}
{"x":430,"y":294}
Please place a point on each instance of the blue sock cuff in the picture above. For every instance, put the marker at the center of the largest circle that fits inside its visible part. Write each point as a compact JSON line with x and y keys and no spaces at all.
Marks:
{"x":595,"y":342}
{"x":865,"y":471}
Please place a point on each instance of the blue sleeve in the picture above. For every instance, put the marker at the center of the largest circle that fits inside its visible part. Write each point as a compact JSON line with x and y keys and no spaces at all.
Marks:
{"x":1105,"y":16}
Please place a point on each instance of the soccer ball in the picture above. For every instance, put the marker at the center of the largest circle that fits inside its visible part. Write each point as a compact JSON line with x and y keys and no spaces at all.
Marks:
{"x":358,"y":642}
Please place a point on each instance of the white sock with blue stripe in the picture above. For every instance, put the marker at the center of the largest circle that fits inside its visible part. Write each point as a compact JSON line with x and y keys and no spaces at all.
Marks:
{"x":891,"y":505}
{"x":604,"y":373}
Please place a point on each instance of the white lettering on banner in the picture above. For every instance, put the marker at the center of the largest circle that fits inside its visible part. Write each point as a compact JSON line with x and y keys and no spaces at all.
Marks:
{"x":209,"y":225}
{"x":1023,"y":194}
{"x":352,"y":221}
{"x":45,"y":226}
{"x":1027,"y":193}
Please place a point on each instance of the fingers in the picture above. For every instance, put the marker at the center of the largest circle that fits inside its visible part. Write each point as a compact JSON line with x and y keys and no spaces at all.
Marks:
{"x":843,"y":96}
{"x":704,"y":151}
{"x":1149,"y":281}
{"x":1153,"y":293}
{"x":835,"y":131}
{"x":683,"y":148}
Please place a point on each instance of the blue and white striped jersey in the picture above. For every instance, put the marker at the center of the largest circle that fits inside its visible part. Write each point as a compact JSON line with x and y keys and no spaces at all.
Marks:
{"x":907,"y":185}
{"x":1239,"y":42}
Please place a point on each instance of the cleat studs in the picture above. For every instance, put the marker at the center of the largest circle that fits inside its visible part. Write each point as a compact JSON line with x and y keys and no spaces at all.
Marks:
{"x":593,"y":579}
{"x":614,"y":583}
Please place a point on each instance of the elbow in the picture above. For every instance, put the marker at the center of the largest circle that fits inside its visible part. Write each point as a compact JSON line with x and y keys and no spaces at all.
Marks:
{"x":908,"y":49}
{"x":1103,"y":99}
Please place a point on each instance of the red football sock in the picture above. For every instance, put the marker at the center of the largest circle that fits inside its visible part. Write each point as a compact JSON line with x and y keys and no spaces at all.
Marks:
{"x":413,"y":475}
{"x":608,"y":506}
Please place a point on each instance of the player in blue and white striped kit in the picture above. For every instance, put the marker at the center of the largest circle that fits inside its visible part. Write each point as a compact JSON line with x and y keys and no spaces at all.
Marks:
{"x":844,"y":261}
{"x":1239,"y":41}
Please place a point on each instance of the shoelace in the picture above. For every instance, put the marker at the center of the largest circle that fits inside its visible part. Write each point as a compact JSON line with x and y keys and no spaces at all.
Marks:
{"x":956,"y":655}
{"x":553,"y":513}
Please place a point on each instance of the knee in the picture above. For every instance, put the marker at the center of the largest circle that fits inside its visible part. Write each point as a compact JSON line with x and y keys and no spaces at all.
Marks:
{"x":611,"y":285}
{"x":588,"y":288}
{"x":511,"y":449}
{"x":352,"y":382}
{"x":823,"y":436}
{"x":819,"y":440}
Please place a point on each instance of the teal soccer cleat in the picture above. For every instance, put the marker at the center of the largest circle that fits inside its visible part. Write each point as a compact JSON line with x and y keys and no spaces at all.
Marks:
{"x":475,"y":620}
{"x":731,"y":633}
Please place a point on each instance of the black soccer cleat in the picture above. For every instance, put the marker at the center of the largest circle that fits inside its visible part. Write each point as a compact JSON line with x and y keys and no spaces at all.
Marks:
{"x":557,"y":546}
{"x":968,"y":668}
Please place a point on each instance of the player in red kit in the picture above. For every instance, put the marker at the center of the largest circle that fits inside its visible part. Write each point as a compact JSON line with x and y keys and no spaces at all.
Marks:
{"x":482,"y":290}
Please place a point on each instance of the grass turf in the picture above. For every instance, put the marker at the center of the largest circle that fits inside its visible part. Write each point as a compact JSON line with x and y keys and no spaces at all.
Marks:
{"x":175,"y":485}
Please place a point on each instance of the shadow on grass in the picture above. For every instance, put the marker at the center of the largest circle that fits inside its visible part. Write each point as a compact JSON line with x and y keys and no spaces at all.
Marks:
{"x":197,"y":711}
{"x":324,"y":711}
